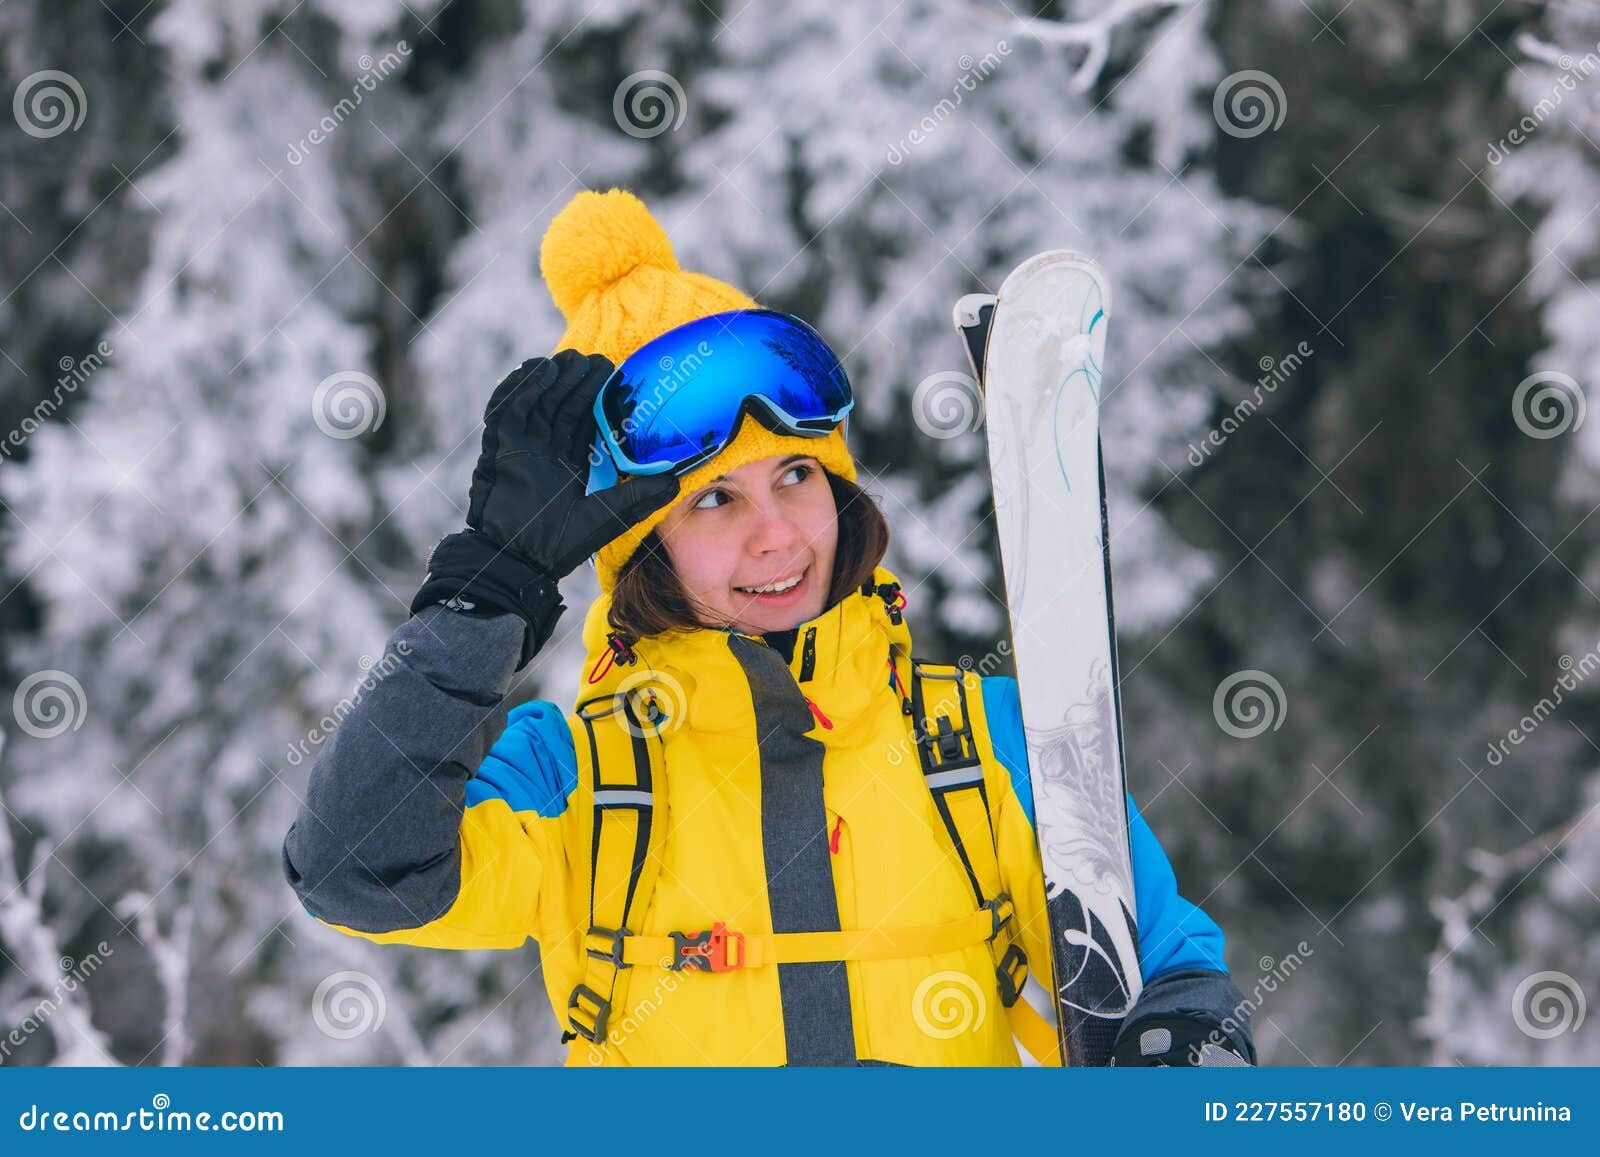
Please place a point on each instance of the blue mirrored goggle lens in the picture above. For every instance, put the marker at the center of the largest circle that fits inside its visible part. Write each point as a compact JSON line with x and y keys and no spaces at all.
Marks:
{"x":683,"y":393}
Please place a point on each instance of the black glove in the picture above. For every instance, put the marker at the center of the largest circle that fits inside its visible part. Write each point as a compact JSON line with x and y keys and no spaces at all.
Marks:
{"x":529,"y":522}
{"x":1194,"y":1018}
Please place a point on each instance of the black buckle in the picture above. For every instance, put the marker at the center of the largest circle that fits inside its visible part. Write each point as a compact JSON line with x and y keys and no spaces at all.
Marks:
{"x":893,"y":600}
{"x":602,"y":1006}
{"x":949,"y":741}
{"x":612,"y":937}
{"x":619,"y":647}
{"x":1001,"y":912}
{"x":1012,"y":973}
{"x":707,"y":951}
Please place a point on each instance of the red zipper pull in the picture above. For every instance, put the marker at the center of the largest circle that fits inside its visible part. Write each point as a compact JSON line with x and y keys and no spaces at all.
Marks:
{"x":821,"y":718}
{"x":833,"y":841}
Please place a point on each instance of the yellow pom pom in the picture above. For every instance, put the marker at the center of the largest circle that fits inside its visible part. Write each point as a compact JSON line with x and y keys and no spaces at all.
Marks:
{"x":595,"y":241}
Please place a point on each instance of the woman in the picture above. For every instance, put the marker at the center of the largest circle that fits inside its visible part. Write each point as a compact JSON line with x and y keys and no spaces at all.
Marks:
{"x":730,"y":851}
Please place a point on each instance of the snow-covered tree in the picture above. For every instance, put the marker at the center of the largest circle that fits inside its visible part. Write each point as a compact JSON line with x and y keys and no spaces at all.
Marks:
{"x":338,"y":260}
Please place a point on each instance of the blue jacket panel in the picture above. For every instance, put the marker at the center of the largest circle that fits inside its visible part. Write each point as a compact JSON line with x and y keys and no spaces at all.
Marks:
{"x":532,"y":765}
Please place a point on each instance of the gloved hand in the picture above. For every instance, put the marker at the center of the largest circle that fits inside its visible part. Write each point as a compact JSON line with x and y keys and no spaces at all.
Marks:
{"x":1176,"y":1042}
{"x":529,"y":523}
{"x":1191,"y":1018}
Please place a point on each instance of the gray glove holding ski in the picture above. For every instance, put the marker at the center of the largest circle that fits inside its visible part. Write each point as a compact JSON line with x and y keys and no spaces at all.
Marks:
{"x":1193,"y":1018}
{"x":529,"y":522}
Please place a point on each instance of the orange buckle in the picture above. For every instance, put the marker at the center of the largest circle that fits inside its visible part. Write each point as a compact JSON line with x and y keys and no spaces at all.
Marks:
{"x":707,"y":951}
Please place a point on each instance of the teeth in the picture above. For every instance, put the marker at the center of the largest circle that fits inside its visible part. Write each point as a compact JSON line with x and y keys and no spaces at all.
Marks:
{"x":774,"y":588}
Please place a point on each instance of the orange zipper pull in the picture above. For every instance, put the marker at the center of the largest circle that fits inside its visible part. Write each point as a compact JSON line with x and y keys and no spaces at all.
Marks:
{"x":833,"y":841}
{"x":821,"y":718}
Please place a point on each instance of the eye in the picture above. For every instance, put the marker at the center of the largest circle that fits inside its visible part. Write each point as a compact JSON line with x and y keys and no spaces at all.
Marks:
{"x":701,"y":503}
{"x":803,"y":469}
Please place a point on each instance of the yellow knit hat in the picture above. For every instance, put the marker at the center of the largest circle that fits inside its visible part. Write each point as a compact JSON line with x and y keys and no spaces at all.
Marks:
{"x":611,"y":270}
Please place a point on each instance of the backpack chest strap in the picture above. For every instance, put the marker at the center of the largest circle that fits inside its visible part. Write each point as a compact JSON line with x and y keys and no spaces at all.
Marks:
{"x":722,"y":950}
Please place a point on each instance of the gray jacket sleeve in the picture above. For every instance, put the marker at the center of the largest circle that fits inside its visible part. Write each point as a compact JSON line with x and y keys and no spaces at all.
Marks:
{"x":375,"y":845}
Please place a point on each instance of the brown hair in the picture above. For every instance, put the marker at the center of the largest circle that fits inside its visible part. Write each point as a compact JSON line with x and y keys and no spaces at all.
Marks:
{"x":648,"y":599}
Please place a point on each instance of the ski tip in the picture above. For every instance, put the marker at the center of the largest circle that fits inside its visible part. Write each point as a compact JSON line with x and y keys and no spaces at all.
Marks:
{"x":1062,"y":261}
{"x":968,"y":310}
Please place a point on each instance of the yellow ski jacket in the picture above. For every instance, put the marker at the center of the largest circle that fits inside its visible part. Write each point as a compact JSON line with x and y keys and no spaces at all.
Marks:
{"x":774,"y":814}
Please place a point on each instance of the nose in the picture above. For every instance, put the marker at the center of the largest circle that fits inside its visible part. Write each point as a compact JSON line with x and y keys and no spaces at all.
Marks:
{"x":771,"y":530}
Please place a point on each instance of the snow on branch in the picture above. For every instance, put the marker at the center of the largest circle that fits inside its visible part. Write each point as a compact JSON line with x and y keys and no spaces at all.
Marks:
{"x":170,"y":954}
{"x":1092,"y":34}
{"x":1460,"y":916}
{"x":35,"y":950}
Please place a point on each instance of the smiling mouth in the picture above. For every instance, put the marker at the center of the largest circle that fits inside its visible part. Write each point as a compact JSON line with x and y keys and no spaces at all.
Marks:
{"x":776,"y":588}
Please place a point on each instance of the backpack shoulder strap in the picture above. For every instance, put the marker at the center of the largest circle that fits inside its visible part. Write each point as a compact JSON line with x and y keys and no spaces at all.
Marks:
{"x":948,"y":752}
{"x":628,"y":776}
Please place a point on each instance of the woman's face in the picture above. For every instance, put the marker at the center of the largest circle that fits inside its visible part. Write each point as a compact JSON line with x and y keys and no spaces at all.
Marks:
{"x":763,"y":523}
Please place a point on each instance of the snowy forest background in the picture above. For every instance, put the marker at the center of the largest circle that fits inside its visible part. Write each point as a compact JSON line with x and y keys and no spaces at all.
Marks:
{"x":1352,"y":486}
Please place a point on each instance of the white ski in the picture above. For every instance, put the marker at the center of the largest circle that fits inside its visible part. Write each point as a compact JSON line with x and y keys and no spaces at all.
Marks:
{"x":1037,"y":351}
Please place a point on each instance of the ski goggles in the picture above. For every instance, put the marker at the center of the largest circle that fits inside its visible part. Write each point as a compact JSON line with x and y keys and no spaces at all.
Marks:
{"x":676,"y":401}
